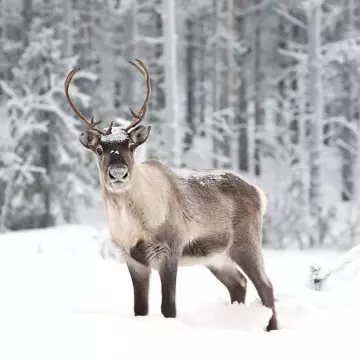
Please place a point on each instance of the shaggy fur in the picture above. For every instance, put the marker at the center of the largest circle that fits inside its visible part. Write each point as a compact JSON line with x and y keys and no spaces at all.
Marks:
{"x":161,"y":219}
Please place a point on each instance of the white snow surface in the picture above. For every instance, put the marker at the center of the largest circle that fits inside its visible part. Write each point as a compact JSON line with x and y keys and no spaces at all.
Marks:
{"x":204,"y":177}
{"x":59,"y":299}
{"x":118,"y":134}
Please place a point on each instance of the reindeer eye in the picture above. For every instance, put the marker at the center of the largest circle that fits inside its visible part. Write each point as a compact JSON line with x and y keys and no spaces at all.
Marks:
{"x":99,"y":150}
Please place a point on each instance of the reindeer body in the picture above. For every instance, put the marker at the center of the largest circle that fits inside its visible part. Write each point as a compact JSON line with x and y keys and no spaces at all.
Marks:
{"x":207,"y":218}
{"x":162,"y":218}
{"x":203,"y":209}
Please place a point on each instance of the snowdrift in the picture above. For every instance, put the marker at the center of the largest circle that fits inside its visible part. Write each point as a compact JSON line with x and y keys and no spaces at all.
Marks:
{"x":63,"y":297}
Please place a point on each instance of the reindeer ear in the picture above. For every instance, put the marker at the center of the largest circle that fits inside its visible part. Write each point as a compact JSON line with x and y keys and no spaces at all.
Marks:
{"x":89,"y":139}
{"x":139,"y":135}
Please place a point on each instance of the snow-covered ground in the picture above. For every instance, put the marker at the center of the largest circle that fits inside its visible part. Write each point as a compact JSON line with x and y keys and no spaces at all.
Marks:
{"x":59,"y":299}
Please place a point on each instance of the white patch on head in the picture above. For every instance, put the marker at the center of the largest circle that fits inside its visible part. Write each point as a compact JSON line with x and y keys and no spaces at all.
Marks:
{"x":114,"y":152}
{"x":117,"y":135}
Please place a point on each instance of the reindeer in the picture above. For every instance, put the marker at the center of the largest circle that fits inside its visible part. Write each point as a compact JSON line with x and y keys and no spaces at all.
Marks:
{"x":161,"y":218}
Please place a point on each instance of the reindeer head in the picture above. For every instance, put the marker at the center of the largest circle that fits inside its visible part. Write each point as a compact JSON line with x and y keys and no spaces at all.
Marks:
{"x":114,"y":146}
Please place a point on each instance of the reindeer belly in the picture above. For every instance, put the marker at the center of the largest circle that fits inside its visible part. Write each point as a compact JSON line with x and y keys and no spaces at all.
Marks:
{"x":150,"y":254}
{"x":207,"y":250}
{"x":217,"y":260}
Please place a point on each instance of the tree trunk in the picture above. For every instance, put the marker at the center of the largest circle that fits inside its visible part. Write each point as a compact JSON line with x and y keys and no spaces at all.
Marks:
{"x":234,"y":138}
{"x":348,"y":153}
{"x":106,"y":87}
{"x":316,"y":96}
{"x":68,"y":28}
{"x":241,"y":104}
{"x":215,"y":83}
{"x":27,"y":20}
{"x":349,"y":138}
{"x":47,"y":160}
{"x":190,"y":83}
{"x":257,"y":85}
{"x":201,"y":70}
{"x":172,"y":112}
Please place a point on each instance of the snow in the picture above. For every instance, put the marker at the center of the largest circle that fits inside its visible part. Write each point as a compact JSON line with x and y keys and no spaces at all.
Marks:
{"x":204,"y":177}
{"x":117,"y":135}
{"x":59,"y":299}
{"x":338,"y":273}
{"x":209,"y":176}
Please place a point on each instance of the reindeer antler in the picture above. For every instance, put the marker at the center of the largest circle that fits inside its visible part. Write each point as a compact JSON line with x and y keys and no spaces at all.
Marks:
{"x":90,"y":123}
{"x":137,"y":118}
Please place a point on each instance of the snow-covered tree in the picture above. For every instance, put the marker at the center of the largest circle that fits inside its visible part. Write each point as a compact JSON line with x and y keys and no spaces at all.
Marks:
{"x":268,"y":89}
{"x":48,"y":177}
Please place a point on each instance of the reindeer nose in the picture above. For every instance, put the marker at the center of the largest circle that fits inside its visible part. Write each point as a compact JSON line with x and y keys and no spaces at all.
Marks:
{"x":118,"y":173}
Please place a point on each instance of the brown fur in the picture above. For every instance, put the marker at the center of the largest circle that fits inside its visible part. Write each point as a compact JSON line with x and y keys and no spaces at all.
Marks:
{"x":162,"y":219}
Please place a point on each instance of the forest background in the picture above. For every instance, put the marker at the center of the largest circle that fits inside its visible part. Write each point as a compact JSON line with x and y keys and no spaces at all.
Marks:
{"x":266,"y":89}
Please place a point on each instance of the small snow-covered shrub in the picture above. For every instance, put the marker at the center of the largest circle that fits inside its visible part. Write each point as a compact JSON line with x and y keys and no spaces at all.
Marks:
{"x":107,"y":248}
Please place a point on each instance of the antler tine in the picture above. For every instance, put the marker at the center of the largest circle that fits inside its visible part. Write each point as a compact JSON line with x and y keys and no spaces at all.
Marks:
{"x":90,"y":123}
{"x":148,"y":87}
{"x":108,"y":131}
{"x":137,"y":118}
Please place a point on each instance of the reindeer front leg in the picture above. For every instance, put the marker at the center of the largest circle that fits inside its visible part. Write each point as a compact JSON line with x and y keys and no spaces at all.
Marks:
{"x":161,"y":252}
{"x":168,"y":273}
{"x":140,"y":276}
{"x":167,"y":246}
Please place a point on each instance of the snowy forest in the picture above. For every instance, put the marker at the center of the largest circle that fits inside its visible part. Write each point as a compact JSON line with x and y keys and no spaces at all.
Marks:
{"x":267,"y":89}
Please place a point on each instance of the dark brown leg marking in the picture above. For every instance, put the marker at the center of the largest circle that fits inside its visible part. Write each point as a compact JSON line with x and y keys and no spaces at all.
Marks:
{"x":234,"y":281}
{"x":140,"y":276}
{"x":266,"y":293}
{"x":168,"y":274}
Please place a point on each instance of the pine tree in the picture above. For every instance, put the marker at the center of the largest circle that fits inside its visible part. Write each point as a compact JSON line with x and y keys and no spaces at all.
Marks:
{"x":52,"y":177}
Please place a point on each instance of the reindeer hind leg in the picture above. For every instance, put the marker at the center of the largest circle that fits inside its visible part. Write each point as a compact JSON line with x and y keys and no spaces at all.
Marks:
{"x":233,"y":280}
{"x":247,"y":253}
